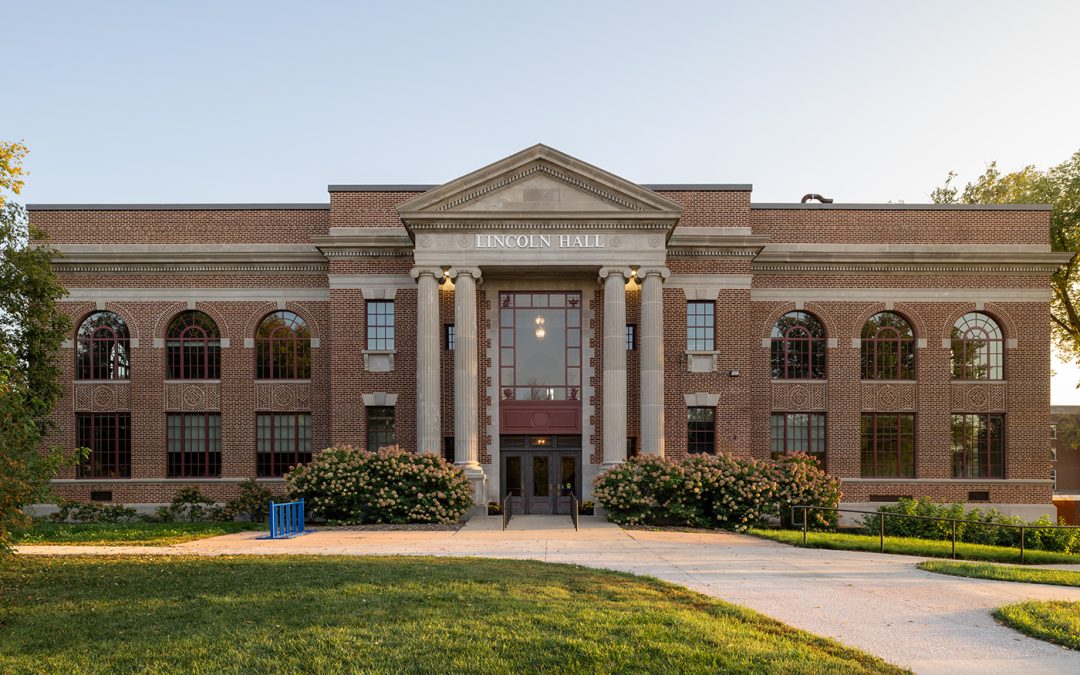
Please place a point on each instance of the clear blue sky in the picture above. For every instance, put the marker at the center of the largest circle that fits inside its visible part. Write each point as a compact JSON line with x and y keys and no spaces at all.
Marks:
{"x":265,"y":101}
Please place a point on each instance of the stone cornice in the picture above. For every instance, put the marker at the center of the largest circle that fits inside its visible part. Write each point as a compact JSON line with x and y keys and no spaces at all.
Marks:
{"x":188,"y":258}
{"x":930,"y":259}
{"x":595,"y":221}
{"x":63,"y":267}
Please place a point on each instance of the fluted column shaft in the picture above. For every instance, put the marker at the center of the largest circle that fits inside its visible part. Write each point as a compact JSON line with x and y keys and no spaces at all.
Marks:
{"x":466,"y":370}
{"x":428,"y":391}
{"x":652,"y":359}
{"x":614,"y":281}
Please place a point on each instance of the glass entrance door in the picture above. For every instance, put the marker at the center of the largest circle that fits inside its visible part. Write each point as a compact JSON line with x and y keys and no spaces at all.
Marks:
{"x":541,"y":479}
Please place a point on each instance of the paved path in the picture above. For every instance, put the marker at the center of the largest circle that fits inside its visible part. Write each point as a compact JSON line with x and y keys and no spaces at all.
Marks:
{"x":879,"y":603}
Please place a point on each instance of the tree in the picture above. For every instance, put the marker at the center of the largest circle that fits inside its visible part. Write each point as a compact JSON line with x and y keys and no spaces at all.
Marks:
{"x":1058,"y":186}
{"x":31,"y":330}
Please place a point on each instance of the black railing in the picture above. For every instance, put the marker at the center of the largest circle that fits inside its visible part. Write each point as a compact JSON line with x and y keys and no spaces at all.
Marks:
{"x":953,"y":521}
{"x":575,"y":508}
{"x":506,"y":510}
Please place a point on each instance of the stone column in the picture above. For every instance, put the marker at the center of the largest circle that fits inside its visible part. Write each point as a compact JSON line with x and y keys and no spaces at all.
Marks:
{"x":467,"y":380}
{"x":614,"y":281}
{"x":652,"y":359}
{"x":428,"y":391}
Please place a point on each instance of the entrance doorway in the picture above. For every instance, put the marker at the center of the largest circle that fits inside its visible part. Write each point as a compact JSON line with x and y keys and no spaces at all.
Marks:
{"x":541,"y":473}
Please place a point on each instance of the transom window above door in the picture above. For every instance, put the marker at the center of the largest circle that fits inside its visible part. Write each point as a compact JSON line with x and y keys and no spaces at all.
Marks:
{"x":540,"y":346}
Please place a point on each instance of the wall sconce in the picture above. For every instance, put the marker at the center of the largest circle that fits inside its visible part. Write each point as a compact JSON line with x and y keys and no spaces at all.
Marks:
{"x":540,"y":332}
{"x":734,"y":373}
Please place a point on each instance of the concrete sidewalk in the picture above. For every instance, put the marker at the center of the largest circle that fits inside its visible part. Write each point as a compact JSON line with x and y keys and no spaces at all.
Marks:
{"x":879,"y":603}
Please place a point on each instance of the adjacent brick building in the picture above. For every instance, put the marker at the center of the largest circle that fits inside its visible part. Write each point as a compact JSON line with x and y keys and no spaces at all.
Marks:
{"x":540,"y":319}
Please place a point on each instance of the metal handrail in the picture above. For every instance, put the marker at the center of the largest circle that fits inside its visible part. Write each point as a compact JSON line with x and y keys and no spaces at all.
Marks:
{"x":574,"y":509}
{"x":506,"y":515}
{"x":881,"y":524}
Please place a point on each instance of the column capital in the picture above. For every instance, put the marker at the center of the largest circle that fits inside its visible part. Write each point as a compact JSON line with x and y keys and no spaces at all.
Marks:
{"x":624,"y":272}
{"x":455,"y":272}
{"x":418,"y":272}
{"x":661,"y":272}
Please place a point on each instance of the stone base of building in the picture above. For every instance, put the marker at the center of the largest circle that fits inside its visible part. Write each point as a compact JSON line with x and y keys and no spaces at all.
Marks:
{"x":1027,"y":512}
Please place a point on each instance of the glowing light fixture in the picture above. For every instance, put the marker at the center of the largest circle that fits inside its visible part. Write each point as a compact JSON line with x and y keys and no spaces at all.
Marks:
{"x":540,"y":332}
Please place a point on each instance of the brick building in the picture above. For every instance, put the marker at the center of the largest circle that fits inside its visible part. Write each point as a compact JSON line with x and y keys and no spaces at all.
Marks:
{"x":540,"y":319}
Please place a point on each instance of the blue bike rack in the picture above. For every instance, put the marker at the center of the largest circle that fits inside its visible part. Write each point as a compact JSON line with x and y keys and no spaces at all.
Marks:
{"x":286,"y":520}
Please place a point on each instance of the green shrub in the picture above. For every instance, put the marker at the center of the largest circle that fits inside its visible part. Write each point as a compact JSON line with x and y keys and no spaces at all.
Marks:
{"x":800,"y":480}
{"x":975,"y":526}
{"x":713,"y":491}
{"x":89,"y":512}
{"x":193,"y":506}
{"x":350,"y":485}
{"x":253,"y":504}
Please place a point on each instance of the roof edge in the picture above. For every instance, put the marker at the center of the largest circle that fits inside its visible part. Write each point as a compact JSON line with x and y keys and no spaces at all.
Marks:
{"x":178,"y":207}
{"x":698,"y":187}
{"x":380,"y":188}
{"x":904,"y":207}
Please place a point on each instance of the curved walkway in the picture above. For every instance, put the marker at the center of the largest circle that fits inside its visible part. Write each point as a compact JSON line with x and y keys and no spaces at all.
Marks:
{"x":879,"y":603}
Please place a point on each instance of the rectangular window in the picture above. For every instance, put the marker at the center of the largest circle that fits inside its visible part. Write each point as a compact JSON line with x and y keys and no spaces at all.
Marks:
{"x":193,"y":445}
{"x":380,"y":325}
{"x":282,"y":441}
{"x":700,"y":430}
{"x":699,"y":326}
{"x":978,"y":446}
{"x":631,"y":337}
{"x":631,"y":447}
{"x":380,"y":427}
{"x":1053,"y":477}
{"x":799,"y":432}
{"x":448,"y":336}
{"x":448,"y":449}
{"x":888,"y":446}
{"x":109,"y":438}
{"x":1053,"y":431}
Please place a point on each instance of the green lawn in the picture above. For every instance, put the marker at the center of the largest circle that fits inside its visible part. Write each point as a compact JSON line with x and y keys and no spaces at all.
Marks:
{"x":1055,"y":621}
{"x":1002,"y":573}
{"x":128,"y":534}
{"x":168,"y":614}
{"x":929,"y":548}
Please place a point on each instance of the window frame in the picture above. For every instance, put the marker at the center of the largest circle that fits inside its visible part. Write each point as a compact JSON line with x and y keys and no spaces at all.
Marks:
{"x":88,"y":348}
{"x":961,"y":337}
{"x":177,"y":354}
{"x":209,"y":464}
{"x":701,"y":326}
{"x":871,"y":352}
{"x":631,"y":337}
{"x":702,"y":439}
{"x":380,"y":325}
{"x":266,"y":461}
{"x":961,"y":470}
{"x":904,"y":469}
{"x":782,"y":344}
{"x":296,"y":343}
{"x":787,"y":437}
{"x":449,"y":336}
{"x":86,"y":424}
{"x":372,"y":414}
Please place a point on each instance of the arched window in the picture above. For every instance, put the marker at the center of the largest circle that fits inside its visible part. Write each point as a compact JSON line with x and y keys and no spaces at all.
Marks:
{"x":102,"y":349}
{"x":888,"y":348}
{"x":193,"y":347}
{"x":282,"y":348}
{"x":978,"y":348}
{"x":798,"y":347}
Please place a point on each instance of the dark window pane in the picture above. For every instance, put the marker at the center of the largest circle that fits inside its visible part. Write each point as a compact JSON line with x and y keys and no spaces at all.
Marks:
{"x":798,"y":347}
{"x":193,"y":445}
{"x":380,"y":427}
{"x":380,"y":325}
{"x":700,"y":430}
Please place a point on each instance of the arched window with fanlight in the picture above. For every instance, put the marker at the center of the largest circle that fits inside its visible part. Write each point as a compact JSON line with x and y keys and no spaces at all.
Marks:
{"x":282,"y":348}
{"x":102,"y":348}
{"x":978,"y":348}
{"x":193,"y":347}
{"x":888,"y":348}
{"x":798,"y":347}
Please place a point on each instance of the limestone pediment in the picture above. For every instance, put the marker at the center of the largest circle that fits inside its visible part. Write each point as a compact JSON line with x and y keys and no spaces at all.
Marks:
{"x":539,"y":184}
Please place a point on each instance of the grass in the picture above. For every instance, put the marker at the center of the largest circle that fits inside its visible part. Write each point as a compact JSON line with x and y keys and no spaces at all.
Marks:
{"x":127,"y":534}
{"x":929,"y":548}
{"x":167,"y":614}
{"x":1002,"y":573}
{"x":1055,"y":621}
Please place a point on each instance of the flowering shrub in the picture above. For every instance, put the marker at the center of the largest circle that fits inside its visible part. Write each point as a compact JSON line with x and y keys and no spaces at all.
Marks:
{"x":800,"y":480}
{"x":351,"y":485}
{"x":714,"y":491}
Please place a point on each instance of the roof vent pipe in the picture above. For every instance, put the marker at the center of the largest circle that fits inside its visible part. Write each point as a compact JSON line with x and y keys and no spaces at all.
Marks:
{"x":808,"y":197}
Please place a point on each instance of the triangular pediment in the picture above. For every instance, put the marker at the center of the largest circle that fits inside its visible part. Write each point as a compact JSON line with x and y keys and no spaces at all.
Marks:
{"x":539,"y":183}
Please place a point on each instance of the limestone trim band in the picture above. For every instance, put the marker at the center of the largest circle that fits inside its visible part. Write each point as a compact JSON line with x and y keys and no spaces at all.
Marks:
{"x":901,"y":294}
{"x":177,"y":294}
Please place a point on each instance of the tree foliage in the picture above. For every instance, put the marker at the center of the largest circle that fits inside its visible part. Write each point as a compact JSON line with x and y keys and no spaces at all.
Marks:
{"x":31,"y":330}
{"x":1058,"y":186}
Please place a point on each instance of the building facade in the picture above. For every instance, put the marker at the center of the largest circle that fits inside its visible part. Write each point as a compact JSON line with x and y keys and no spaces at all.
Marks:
{"x":540,"y":319}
